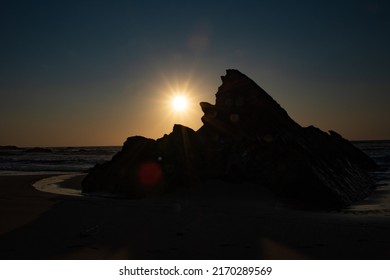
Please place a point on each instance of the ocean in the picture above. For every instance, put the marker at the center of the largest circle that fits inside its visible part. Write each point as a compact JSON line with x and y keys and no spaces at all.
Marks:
{"x":16,"y":161}
{"x":379,"y":151}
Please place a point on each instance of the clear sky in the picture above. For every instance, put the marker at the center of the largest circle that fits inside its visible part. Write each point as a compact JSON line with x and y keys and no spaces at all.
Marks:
{"x":80,"y":73}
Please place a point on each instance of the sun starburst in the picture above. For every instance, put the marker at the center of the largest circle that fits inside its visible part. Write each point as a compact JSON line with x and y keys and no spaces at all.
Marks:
{"x":179,"y":103}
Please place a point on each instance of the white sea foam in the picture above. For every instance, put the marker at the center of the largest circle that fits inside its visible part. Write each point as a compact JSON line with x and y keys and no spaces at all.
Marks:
{"x":52,"y":185}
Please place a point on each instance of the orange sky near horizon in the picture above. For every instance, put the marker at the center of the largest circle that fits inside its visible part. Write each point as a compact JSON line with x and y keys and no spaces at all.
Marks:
{"x":110,"y":122}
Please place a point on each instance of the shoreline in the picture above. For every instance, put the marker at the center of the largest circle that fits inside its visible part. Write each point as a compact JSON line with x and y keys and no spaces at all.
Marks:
{"x":378,"y":202}
{"x":201,"y":225}
{"x":64,"y":184}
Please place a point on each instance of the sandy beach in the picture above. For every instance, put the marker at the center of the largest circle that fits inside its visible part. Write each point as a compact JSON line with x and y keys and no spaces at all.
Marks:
{"x":214,"y":222}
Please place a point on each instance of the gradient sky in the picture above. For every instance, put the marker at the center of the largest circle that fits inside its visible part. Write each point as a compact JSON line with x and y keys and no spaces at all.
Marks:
{"x":80,"y":73}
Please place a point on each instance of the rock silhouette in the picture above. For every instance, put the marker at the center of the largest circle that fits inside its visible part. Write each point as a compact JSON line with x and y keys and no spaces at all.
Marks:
{"x":246,"y":136}
{"x":39,"y":150}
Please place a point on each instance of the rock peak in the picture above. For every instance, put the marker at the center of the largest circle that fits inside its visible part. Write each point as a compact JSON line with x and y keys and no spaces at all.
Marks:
{"x":234,"y":78}
{"x":232,"y":75}
{"x":244,"y":108}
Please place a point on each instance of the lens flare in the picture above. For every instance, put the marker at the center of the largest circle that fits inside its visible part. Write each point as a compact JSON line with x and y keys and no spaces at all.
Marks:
{"x":149,"y":173}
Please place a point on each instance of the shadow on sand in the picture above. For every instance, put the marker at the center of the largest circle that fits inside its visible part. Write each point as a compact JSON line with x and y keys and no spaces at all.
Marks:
{"x":201,"y":224}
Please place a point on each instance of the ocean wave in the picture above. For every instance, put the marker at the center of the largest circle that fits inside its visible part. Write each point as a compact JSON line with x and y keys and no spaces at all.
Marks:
{"x":77,"y":159}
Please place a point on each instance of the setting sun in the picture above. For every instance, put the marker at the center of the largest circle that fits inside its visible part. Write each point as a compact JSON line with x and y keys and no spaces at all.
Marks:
{"x":179,"y":103}
{"x":176,"y":102}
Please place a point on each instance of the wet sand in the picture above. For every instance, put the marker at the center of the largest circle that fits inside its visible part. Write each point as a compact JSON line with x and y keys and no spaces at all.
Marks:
{"x":215,"y":222}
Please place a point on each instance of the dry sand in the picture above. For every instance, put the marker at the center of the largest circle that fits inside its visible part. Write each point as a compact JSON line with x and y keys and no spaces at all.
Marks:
{"x":216,"y":222}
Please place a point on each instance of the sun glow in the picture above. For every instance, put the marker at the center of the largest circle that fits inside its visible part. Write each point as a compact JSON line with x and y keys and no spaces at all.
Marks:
{"x":175,"y":101}
{"x":179,"y":103}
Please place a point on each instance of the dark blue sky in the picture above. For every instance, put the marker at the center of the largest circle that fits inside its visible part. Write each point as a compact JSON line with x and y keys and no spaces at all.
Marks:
{"x":95,"y":72}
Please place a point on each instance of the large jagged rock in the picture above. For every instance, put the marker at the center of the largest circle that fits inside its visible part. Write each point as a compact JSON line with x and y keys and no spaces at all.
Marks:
{"x":148,"y":167}
{"x":246,"y":136}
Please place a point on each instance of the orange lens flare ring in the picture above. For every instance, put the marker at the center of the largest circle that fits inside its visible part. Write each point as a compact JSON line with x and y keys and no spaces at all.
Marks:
{"x":149,"y":173}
